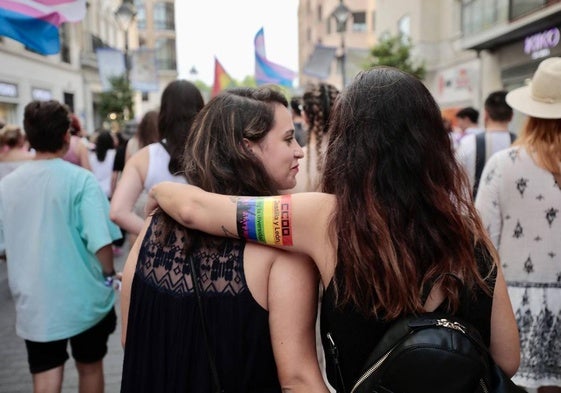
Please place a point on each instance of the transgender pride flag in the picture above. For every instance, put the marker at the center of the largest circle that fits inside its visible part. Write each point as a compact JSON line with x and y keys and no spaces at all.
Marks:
{"x":35,"y":23}
{"x":265,"y":70}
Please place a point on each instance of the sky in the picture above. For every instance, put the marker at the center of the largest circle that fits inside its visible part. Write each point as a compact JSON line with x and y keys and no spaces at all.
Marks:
{"x":226,"y":29}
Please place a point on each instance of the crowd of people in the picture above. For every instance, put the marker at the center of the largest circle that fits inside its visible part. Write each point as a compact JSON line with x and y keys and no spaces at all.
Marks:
{"x":259,"y":202}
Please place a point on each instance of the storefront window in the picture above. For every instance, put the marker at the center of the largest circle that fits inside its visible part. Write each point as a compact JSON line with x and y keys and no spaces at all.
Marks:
{"x":481,"y":15}
{"x":520,"y":8}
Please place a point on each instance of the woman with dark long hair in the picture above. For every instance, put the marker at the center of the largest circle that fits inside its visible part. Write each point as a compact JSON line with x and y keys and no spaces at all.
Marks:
{"x":101,"y":161}
{"x":259,"y":304}
{"x":394,"y":222}
{"x":180,"y":102}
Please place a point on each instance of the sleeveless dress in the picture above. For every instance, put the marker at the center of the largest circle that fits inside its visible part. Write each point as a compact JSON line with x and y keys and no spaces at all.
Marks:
{"x":158,"y":167}
{"x":103,"y":170}
{"x":165,"y":350}
{"x":356,"y":335}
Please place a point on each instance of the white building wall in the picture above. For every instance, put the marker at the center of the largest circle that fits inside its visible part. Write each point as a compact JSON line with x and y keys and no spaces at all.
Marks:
{"x":36,"y":76}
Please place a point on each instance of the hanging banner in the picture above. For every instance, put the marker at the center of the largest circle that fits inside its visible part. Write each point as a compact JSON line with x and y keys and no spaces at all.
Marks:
{"x":144,"y":71}
{"x":111,"y":63}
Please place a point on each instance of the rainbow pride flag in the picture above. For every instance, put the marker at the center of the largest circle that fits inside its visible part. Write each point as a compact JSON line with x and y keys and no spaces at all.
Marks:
{"x":221,"y":79}
{"x":265,"y":70}
{"x":35,"y":23}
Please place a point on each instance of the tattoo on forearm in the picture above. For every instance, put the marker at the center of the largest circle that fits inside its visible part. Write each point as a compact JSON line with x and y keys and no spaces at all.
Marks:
{"x":265,"y":219}
{"x":227,"y":233}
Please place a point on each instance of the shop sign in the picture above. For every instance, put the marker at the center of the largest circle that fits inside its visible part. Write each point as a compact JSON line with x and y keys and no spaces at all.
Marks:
{"x":540,"y":44}
{"x":41,"y":94}
{"x":8,"y":90}
{"x":458,"y":83}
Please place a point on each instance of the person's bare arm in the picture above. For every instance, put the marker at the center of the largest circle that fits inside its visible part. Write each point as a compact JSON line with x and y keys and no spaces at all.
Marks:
{"x":292,"y":303}
{"x":83,"y":156}
{"x":126,"y":193}
{"x":303,"y":221}
{"x":505,"y":341}
{"x":105,"y":257}
{"x":128,"y":275}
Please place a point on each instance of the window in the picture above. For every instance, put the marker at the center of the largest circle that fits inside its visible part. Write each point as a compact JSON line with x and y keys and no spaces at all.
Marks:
{"x":165,"y":54}
{"x":481,"y":15}
{"x":520,"y":8}
{"x":140,"y":14}
{"x":404,"y":27}
{"x":359,"y":21}
{"x":164,"y":17}
{"x":64,"y":43}
{"x":69,"y":100}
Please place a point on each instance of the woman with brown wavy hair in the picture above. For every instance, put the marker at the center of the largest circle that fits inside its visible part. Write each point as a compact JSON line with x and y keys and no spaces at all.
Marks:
{"x":259,"y":302}
{"x":393,"y":222}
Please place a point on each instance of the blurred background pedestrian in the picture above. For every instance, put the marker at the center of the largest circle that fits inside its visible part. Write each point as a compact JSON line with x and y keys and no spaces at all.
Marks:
{"x":55,"y":229}
{"x":77,"y":150}
{"x":519,"y":201}
{"x":15,"y":149}
{"x":181,"y":101}
{"x":317,"y":102}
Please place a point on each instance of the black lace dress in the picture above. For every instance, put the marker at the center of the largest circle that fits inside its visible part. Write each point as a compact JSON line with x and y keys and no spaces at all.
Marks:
{"x":165,"y":350}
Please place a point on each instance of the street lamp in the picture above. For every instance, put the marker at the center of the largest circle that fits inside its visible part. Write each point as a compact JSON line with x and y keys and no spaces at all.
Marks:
{"x":193,"y":71}
{"x":124,"y":15}
{"x":341,"y":14}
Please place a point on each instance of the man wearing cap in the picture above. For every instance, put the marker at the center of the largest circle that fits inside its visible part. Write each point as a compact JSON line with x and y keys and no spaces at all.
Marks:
{"x":519,"y":201}
{"x":474,"y":150}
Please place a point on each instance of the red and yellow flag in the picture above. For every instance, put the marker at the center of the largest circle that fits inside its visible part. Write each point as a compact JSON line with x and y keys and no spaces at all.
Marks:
{"x":221,"y":78}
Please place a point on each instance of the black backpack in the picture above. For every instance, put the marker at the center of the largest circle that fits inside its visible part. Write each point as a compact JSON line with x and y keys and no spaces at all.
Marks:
{"x":432,"y":352}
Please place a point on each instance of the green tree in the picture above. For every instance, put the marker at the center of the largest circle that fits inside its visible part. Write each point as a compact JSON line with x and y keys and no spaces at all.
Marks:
{"x":248,"y":81}
{"x":395,"y":51}
{"x":117,"y":103}
{"x":203,"y":87}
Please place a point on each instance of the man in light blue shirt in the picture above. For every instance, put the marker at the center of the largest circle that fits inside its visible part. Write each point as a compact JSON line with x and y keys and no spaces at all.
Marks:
{"x":56,"y":232}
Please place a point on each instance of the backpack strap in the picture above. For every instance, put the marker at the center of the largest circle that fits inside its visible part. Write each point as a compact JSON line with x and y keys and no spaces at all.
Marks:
{"x":479,"y":159}
{"x":334,"y":352}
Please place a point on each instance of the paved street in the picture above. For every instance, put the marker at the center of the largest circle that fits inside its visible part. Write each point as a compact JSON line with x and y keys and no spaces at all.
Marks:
{"x":14,"y":373}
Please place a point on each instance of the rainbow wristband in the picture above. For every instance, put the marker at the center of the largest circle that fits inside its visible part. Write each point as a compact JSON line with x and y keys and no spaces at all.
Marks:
{"x":265,"y":219}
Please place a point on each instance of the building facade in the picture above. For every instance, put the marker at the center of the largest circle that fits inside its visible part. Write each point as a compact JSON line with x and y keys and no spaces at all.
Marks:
{"x":321,"y":45}
{"x":72,"y":76}
{"x":469,"y":47}
{"x":155,"y":22}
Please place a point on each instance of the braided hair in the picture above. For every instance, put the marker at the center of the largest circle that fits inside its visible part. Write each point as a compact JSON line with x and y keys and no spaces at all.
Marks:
{"x":317,"y":103}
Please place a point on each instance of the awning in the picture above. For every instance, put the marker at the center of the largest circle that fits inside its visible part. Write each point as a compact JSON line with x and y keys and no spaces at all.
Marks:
{"x":319,"y":63}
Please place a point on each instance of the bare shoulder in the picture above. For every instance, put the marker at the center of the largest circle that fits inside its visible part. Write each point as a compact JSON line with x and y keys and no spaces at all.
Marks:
{"x":139,"y":161}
